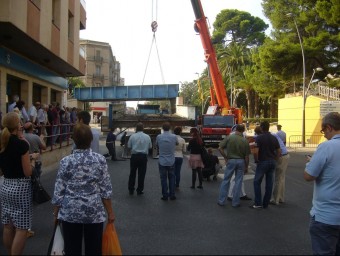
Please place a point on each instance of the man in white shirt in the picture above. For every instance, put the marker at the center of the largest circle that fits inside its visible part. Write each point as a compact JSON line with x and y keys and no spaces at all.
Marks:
{"x":179,"y":151}
{"x":139,"y":143}
{"x":12,"y":105}
{"x":42,"y":119}
{"x":33,"y":112}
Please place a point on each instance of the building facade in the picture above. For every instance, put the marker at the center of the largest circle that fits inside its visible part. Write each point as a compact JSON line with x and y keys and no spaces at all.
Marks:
{"x":39,"y":49}
{"x":102,"y":69}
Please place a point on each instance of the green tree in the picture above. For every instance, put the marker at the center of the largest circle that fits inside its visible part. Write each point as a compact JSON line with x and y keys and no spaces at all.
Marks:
{"x":239,"y":27}
{"x":74,"y":82}
{"x":318,"y":25}
{"x":189,"y":92}
{"x":265,"y":68}
{"x":235,"y":34}
{"x":77,"y":82}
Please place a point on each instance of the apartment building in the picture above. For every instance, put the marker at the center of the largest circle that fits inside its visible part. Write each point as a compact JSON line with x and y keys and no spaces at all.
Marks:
{"x":102,"y":69}
{"x":39,"y":49}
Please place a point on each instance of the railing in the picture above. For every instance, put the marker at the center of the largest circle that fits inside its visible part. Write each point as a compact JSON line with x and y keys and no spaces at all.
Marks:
{"x":98,"y":76}
{"x":58,"y":136}
{"x":330,"y":93}
{"x":312,"y":141}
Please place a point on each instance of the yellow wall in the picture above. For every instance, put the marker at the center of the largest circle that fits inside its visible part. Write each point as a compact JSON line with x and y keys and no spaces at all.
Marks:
{"x":290,"y":117}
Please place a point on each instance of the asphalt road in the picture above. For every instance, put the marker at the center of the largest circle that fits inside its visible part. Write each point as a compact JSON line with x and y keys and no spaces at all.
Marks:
{"x":194,"y":224}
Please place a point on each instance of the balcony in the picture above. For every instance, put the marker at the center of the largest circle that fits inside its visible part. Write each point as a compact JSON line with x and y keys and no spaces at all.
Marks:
{"x":98,"y":77}
{"x":98,"y":60}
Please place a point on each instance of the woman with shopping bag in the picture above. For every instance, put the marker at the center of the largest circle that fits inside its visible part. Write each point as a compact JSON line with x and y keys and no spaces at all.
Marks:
{"x":82,"y":194}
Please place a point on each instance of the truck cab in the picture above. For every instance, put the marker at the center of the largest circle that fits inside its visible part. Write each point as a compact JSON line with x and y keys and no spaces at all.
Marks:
{"x":213,"y":126}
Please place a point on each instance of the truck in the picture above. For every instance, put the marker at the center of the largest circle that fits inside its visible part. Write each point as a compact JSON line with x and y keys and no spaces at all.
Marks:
{"x":152,"y":118}
{"x":220,"y":116}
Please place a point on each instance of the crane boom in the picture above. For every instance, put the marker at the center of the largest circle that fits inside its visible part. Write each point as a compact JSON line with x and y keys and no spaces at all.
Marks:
{"x":214,"y":124}
{"x":210,"y":56}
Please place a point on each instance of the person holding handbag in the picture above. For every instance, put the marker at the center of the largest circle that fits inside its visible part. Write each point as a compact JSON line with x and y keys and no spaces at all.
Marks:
{"x":16,"y":191}
{"x":195,"y":160}
{"x":82,"y":195}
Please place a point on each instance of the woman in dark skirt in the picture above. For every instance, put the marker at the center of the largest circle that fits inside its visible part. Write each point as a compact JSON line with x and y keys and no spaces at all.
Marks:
{"x":195,"y":160}
{"x":16,"y":192}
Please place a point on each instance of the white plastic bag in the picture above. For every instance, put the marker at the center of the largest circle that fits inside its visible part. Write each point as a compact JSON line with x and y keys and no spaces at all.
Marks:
{"x":58,"y":242}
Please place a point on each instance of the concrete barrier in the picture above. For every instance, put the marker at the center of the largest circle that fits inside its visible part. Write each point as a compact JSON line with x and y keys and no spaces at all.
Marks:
{"x":51,"y":158}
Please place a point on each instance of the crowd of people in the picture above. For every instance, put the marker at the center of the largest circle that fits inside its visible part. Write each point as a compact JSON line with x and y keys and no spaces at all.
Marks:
{"x":271,"y":158}
{"x":50,"y":120}
{"x":83,"y":190}
{"x":234,"y":148}
{"x":82,"y":186}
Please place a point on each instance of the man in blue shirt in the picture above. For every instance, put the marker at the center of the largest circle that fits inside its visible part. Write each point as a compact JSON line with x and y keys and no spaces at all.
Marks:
{"x":281,"y":133}
{"x":166,"y":143}
{"x":324,"y":169}
{"x":139,"y":143}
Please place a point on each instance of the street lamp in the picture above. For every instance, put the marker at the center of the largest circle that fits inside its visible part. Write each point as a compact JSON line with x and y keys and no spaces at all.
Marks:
{"x":200,"y":89}
{"x":304,"y":104}
{"x":303,"y":82}
{"x":231,"y":87}
{"x":311,"y":79}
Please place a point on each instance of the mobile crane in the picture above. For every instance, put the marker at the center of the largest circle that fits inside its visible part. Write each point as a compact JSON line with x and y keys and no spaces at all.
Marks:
{"x":220,"y":116}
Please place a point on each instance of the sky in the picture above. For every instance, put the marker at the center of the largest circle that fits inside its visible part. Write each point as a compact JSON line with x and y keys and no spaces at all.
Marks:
{"x":126,"y":26}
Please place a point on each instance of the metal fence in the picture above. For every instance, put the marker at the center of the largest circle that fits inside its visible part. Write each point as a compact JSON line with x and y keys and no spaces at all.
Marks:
{"x":56,"y":136}
{"x":312,"y":141}
{"x":330,"y":93}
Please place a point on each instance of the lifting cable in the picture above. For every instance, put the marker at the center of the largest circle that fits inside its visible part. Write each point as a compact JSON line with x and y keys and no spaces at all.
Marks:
{"x":154,"y":26}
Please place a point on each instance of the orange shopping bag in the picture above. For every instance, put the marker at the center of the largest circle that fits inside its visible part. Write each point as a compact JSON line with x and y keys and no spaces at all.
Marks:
{"x":110,"y":244}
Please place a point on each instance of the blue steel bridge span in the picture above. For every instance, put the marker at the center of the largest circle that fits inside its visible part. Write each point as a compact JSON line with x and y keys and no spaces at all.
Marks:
{"x":128,"y":93}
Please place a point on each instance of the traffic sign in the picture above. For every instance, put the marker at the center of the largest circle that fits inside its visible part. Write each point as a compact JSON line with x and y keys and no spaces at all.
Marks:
{"x":329,"y":106}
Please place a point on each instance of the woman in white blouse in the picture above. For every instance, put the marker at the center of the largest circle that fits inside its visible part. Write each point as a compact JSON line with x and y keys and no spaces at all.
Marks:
{"x":82,"y":194}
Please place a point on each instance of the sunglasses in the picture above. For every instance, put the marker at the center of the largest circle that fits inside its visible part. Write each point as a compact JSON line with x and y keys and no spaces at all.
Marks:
{"x":324,"y":128}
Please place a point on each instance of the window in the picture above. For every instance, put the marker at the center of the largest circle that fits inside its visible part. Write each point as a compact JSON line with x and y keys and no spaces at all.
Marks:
{"x":56,"y":10}
{"x":82,"y":51}
{"x":214,"y":121}
{"x":98,"y":70}
{"x":98,"y":58}
{"x":70,"y":26}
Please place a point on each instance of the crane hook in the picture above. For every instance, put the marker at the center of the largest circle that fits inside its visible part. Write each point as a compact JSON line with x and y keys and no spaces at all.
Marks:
{"x":154,"y":26}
